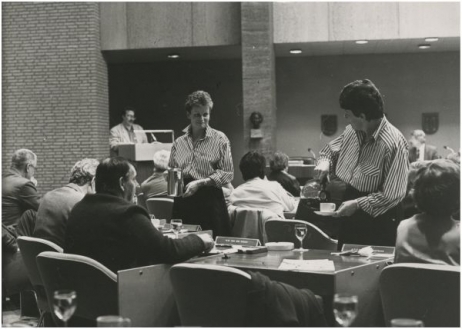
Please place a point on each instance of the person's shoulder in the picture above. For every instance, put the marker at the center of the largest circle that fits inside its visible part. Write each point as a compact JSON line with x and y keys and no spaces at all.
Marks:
{"x":116,"y":127}
{"x":219,"y":135}
{"x":137,"y":127}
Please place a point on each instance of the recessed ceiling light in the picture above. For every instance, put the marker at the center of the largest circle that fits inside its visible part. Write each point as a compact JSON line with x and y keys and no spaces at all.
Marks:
{"x":431,"y":39}
{"x":361,"y":42}
{"x":424,"y":46}
{"x":295,"y":51}
{"x":173,"y":56}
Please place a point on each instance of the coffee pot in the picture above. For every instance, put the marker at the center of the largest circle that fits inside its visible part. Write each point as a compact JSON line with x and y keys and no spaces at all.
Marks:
{"x":174,"y":182}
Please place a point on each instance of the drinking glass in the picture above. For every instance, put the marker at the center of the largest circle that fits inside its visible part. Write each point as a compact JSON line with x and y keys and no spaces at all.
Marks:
{"x":345,"y":308}
{"x":177,"y":224}
{"x":406,"y":323}
{"x":300,"y":232}
{"x":112,"y":321}
{"x":64,"y":304}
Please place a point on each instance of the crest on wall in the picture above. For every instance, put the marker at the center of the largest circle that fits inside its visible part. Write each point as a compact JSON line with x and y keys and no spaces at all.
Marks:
{"x":430,"y":122}
{"x":329,"y":124}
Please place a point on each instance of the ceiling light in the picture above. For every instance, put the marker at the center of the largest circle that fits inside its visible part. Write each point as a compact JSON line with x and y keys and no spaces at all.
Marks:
{"x":424,"y":46}
{"x":431,"y":39}
{"x":173,"y":56}
{"x":361,"y":42}
{"x":295,"y":51}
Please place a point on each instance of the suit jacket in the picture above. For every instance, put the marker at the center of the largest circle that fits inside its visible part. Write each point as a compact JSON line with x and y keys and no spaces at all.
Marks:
{"x":18,"y":195}
{"x":429,"y":153}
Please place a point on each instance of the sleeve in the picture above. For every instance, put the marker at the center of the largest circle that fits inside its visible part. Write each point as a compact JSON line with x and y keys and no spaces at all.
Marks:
{"x":286,"y":198}
{"x":172,"y":161}
{"x":331,"y":151}
{"x":224,"y":173}
{"x":8,"y":241}
{"x":154,"y":247}
{"x":393,"y":189}
{"x":114,"y":138}
{"x":29,"y":196}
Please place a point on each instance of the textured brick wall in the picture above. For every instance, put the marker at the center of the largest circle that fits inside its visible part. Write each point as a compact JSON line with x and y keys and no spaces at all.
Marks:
{"x":55,"y":90}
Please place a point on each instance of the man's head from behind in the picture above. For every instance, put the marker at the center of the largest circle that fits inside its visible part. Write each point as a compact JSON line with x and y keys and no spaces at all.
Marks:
{"x":417,"y":138}
{"x":24,"y":161}
{"x":160,"y":160}
{"x":252,"y":165}
{"x":128,"y":116}
{"x":361,"y":100}
{"x":116,"y":176}
{"x":83,"y":172}
{"x":437,"y":188}
{"x":279,"y":161}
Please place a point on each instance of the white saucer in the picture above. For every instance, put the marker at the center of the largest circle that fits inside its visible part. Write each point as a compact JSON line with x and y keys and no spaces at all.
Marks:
{"x":325,"y":213}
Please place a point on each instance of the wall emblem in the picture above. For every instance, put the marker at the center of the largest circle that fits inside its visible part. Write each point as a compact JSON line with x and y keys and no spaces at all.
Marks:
{"x":329,"y":124}
{"x":430,"y":122}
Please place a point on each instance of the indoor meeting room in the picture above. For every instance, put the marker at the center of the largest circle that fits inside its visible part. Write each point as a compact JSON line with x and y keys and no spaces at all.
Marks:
{"x":231,"y":164}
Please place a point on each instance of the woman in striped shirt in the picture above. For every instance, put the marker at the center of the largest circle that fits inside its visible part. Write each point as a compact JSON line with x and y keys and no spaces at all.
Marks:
{"x":204,"y":155}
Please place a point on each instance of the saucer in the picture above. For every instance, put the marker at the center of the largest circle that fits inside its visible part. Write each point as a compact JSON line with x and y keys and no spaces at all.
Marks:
{"x":325,"y":213}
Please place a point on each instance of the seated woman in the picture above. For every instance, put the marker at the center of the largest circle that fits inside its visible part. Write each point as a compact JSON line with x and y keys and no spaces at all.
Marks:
{"x":156,"y":185}
{"x":257,"y":191}
{"x":279,"y":165}
{"x":109,"y":228}
{"x":432,"y":236}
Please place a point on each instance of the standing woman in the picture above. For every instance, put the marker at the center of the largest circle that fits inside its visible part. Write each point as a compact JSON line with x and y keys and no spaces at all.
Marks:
{"x":204,"y":155}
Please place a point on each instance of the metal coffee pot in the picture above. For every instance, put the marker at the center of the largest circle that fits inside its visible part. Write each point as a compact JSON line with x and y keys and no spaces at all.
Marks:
{"x":175,"y":182}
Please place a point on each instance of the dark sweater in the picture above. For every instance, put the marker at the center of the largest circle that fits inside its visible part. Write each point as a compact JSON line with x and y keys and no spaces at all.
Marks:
{"x":120,"y":235}
{"x":288,"y":182}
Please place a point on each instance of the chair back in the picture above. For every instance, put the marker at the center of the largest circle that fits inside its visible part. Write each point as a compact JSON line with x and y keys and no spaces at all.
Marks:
{"x":210,"y":295}
{"x":283,"y":230}
{"x":161,"y":208}
{"x":249,"y":222}
{"x":95,"y":284}
{"x":30,"y":248}
{"x":426,"y":292}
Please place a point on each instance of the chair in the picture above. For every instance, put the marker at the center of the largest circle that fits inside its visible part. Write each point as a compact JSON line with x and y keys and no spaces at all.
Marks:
{"x":282,"y":230}
{"x":426,"y":292}
{"x":210,"y":295}
{"x":95,"y":285}
{"x":30,"y":247}
{"x":249,"y":222}
{"x":161,"y":208}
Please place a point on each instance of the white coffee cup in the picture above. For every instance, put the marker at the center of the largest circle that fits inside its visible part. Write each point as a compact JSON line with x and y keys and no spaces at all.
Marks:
{"x":327,"y":207}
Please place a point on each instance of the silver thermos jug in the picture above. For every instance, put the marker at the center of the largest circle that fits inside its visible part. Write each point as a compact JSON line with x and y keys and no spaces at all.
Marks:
{"x":175,"y":182}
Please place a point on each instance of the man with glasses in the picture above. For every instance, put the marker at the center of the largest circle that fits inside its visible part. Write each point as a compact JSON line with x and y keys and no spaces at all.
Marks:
{"x":19,"y":192}
{"x":124,"y":133}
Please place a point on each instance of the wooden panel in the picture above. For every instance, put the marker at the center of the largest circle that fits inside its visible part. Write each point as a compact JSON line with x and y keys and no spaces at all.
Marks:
{"x":300,"y":21}
{"x":363,"y":20}
{"x":429,"y":19}
{"x":159,"y":24}
{"x":216,"y":23}
{"x":113,"y":25}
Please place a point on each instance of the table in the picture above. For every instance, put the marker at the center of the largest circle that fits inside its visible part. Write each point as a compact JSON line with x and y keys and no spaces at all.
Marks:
{"x":352,"y":275}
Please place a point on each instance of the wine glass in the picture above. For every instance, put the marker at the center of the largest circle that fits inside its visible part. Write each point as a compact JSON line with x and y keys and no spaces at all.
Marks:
{"x":300,"y":232}
{"x":64,"y":304}
{"x":177,"y":224}
{"x":345,"y":308}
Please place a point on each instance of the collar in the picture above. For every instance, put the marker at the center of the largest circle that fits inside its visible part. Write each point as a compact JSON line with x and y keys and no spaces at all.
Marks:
{"x":76,"y":187}
{"x":188,"y":131}
{"x":128,"y":129}
{"x":16,"y":172}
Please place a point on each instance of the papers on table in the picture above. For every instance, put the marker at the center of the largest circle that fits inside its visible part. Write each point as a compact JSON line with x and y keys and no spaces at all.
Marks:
{"x":315,"y":265}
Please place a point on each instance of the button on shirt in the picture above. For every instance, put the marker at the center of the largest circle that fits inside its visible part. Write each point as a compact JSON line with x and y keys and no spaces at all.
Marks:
{"x":378,"y":166}
{"x":210,"y":157}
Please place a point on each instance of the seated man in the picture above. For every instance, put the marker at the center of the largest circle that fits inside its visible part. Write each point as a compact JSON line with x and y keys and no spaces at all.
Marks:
{"x":156,"y":185}
{"x":110,"y":229}
{"x":125,"y":133}
{"x":432,"y":236}
{"x":257,"y":191}
{"x":419,"y":150}
{"x":18,"y":187}
{"x":56,"y":205}
{"x":279,"y":165}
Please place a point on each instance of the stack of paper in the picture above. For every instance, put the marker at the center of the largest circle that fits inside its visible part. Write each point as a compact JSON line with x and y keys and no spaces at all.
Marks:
{"x":315,"y":265}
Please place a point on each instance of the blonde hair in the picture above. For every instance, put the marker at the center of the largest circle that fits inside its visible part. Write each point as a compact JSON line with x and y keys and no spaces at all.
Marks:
{"x":160,"y":160}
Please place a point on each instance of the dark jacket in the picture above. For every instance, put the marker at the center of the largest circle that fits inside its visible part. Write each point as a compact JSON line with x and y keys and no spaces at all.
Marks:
{"x":120,"y":235}
{"x":288,"y":182}
{"x":18,"y":195}
{"x":276,"y":304}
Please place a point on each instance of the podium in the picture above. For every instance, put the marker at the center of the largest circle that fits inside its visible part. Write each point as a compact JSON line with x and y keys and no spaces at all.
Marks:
{"x":141,"y":155}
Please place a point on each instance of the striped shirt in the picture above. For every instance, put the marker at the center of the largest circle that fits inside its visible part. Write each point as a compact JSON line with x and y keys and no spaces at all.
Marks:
{"x":378,"y":166}
{"x":210,"y":157}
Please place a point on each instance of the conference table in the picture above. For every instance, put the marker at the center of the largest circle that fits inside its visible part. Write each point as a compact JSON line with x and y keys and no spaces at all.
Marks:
{"x":352,"y":274}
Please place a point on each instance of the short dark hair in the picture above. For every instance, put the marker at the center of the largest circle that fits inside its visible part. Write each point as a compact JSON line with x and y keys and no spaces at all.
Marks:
{"x":252,"y":165}
{"x":279,"y":161}
{"x":198,"y":98}
{"x":437,"y":188}
{"x":126,"y":109}
{"x":362,"y":97}
{"x":108,"y":174}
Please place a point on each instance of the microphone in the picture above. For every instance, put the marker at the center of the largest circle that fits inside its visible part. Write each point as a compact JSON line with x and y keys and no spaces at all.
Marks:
{"x":154,"y":139}
{"x":449,"y":149}
{"x":312,"y":153}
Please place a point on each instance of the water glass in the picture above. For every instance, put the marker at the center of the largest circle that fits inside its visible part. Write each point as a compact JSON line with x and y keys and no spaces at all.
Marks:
{"x":112,"y":321}
{"x":345,"y":308}
{"x":177,"y":224}
{"x":64,"y":304}
{"x":300,"y":232}
{"x":406,"y":323}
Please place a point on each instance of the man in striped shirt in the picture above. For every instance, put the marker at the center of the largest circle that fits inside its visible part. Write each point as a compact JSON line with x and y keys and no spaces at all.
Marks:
{"x":370,"y":158}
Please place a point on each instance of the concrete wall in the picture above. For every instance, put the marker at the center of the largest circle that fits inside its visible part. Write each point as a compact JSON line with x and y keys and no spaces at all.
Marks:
{"x":411,"y":83}
{"x":55,"y":98}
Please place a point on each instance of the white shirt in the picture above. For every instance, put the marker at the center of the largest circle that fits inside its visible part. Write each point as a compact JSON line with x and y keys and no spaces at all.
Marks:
{"x":421,"y":152}
{"x":261,"y":193}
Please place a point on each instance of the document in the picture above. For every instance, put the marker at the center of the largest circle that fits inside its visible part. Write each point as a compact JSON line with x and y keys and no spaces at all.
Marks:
{"x":315,"y":265}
